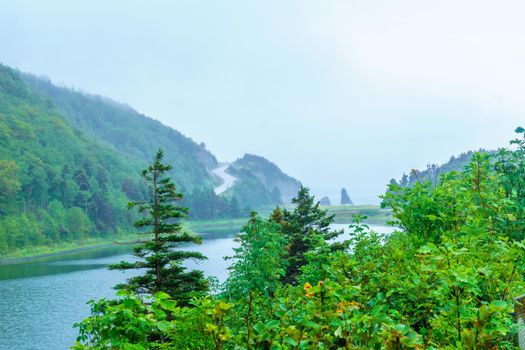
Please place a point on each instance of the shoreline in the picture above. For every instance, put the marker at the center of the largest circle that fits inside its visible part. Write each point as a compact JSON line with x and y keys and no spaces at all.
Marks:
{"x":223,"y":227}
{"x":202,"y":228}
{"x":57,"y":251}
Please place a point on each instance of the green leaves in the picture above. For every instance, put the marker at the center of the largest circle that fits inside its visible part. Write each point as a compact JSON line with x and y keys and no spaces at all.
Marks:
{"x":161,"y":296}
{"x":498,"y":306}
{"x":447,"y":280}
{"x":258,"y":262}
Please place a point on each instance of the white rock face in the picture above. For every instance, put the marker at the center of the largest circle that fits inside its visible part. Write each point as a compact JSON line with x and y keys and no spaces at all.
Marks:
{"x":227,"y":179}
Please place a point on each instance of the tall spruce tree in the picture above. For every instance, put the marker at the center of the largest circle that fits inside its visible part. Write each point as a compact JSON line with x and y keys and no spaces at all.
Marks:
{"x":302,"y":227}
{"x":162,"y":264}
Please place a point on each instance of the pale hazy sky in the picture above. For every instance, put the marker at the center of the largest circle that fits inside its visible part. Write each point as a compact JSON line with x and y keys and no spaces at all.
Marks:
{"x":337,"y":93}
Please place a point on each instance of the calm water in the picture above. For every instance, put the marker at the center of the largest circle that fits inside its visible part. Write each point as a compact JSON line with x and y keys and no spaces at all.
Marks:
{"x":42,"y":298}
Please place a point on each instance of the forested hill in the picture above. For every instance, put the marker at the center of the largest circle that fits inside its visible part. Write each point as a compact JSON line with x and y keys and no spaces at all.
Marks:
{"x":434,"y":171}
{"x":56,"y":184}
{"x":70,"y":162}
{"x":255,"y":173}
{"x":135,"y":136}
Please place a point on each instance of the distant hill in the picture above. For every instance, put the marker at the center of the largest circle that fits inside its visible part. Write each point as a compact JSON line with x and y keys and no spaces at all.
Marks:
{"x":70,"y":162}
{"x":136,"y":137}
{"x":133,"y":135}
{"x":56,"y":184}
{"x":434,"y":171}
{"x":262,"y":181}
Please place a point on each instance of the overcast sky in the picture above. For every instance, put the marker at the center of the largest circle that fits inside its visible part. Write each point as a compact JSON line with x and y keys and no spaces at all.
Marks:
{"x":337,"y":93}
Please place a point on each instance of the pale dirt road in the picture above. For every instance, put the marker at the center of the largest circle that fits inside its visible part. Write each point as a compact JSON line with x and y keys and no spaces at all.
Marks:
{"x":227,"y":179}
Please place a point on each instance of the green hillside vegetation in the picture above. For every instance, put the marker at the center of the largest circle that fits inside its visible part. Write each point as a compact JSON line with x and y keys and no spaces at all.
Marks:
{"x":261,"y":182}
{"x":445,"y":279}
{"x":56,"y":184}
{"x":433,"y":172}
{"x":70,"y":161}
{"x":135,"y":136}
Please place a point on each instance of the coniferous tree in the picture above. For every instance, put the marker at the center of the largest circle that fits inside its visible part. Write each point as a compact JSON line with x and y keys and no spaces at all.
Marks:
{"x":303,"y":226}
{"x":162,"y":263}
{"x":277,"y":216}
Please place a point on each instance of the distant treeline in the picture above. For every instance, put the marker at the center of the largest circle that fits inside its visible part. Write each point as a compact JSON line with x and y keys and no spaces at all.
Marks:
{"x":433,"y":172}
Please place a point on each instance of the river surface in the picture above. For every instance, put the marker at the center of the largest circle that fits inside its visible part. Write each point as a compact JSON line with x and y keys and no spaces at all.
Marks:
{"x":42,"y":298}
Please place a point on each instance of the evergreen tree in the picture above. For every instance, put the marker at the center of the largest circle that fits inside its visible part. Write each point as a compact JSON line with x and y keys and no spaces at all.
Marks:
{"x":345,"y":198}
{"x":163,"y":265}
{"x":9,"y":181}
{"x":303,"y":227}
{"x":277,"y":216}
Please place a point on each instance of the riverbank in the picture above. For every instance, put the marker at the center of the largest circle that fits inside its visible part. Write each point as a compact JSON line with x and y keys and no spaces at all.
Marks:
{"x":216,"y":227}
{"x":209,"y":228}
{"x":375,"y":215}
{"x":205,"y":228}
{"x":24,"y":254}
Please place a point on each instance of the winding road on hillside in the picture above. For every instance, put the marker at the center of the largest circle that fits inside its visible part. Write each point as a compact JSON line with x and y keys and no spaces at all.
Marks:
{"x":227,"y":179}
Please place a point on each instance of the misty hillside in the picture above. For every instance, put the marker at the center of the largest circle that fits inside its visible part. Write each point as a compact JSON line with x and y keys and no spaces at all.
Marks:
{"x":433,"y":171}
{"x":136,"y":137}
{"x":70,"y":162}
{"x":133,"y":135}
{"x":255,"y":172}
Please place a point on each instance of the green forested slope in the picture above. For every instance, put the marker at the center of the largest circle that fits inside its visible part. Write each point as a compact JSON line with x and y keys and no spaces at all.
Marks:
{"x":258,"y":175}
{"x":136,"y":137}
{"x":70,"y":162}
{"x":56,"y":184}
{"x":133,"y":135}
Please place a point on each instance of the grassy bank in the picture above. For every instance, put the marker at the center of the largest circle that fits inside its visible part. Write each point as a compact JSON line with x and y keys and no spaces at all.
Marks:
{"x":344,"y":213}
{"x":65,"y":247}
{"x":204,"y":228}
{"x":214,"y":227}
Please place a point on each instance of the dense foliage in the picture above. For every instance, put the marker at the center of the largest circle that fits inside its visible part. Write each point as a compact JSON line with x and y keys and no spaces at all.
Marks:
{"x":304,"y":228}
{"x":55,"y":184}
{"x":446,"y":280}
{"x":161,"y":263}
{"x":207,"y":205}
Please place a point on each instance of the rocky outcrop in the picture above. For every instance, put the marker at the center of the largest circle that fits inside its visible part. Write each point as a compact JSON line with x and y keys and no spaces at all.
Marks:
{"x":345,"y":198}
{"x":325,"y":201}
